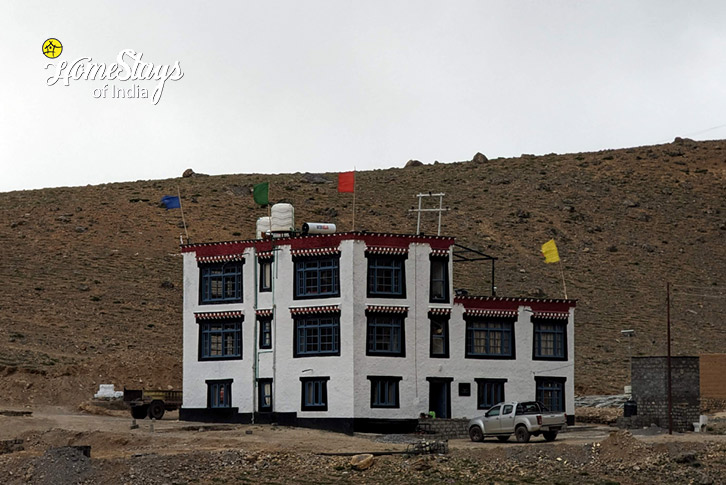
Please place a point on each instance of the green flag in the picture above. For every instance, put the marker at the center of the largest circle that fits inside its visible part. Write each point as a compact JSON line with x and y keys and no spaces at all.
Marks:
{"x":260,"y":193}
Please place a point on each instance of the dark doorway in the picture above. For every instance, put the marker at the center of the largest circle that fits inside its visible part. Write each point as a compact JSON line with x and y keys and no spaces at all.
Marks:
{"x":440,"y":396}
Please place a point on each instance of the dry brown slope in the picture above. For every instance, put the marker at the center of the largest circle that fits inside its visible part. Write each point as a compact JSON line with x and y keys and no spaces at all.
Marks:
{"x":86,"y":270}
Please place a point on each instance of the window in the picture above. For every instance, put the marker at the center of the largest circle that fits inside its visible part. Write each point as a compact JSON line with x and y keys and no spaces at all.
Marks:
{"x":489,"y":392}
{"x":439,"y":280}
{"x":221,"y":283}
{"x":317,"y":335}
{"x":265,"y":324}
{"x":386,"y":335}
{"x":550,"y":340}
{"x":464,"y":389}
{"x":491,"y":338}
{"x":384,"y":391}
{"x":314,"y":393}
{"x":220,"y":339}
{"x":439,"y":336}
{"x":317,"y":277}
{"x":493,"y":412}
{"x":265,"y":275}
{"x":386,"y":276}
{"x":219,"y":394}
{"x":264,"y":388}
{"x":551,"y":392}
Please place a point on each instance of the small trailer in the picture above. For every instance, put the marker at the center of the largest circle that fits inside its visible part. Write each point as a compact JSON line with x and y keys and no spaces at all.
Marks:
{"x":151,"y":403}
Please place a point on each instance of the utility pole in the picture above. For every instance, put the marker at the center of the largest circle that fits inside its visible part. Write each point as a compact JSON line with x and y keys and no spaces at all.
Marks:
{"x":670,"y":394}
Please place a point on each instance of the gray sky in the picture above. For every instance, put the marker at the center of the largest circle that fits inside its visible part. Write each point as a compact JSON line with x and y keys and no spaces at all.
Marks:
{"x":313,"y":86}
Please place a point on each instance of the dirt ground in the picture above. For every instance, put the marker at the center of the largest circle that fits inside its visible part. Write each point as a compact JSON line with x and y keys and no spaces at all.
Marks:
{"x":179,"y":452}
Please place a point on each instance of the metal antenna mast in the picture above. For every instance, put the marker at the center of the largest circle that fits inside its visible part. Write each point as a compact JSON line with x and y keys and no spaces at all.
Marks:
{"x":420,"y":210}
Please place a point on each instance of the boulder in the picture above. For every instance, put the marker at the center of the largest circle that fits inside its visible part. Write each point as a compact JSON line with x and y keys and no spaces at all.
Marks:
{"x":479,"y":158}
{"x":361,"y":462}
{"x":413,"y":163}
{"x":188,"y":173}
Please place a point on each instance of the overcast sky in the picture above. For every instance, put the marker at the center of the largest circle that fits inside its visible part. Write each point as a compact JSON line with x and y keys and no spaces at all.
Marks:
{"x":322,"y":86}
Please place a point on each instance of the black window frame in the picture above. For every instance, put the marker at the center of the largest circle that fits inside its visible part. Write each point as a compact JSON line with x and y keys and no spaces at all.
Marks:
{"x":477,"y":324}
{"x":373,"y":280}
{"x":213,"y":388}
{"x":392,"y":402}
{"x":206,"y":279}
{"x":371,"y":338}
{"x":300,"y":276}
{"x":557,"y":384}
{"x":442,"y":320}
{"x":488,"y":390}
{"x":537,"y":333}
{"x":264,"y":324}
{"x":323,"y":383}
{"x":445,"y":282}
{"x":261,"y":395}
{"x":305,"y":329}
{"x":265,"y":275}
{"x":205,"y":342}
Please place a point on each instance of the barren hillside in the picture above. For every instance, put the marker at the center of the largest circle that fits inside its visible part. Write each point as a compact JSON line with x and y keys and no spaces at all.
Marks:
{"x":91,"y":276}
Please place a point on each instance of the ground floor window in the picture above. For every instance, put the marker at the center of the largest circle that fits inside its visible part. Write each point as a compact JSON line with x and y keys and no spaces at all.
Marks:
{"x":384,"y":391}
{"x":551,"y":392}
{"x":314,"y":393}
{"x":219,"y":393}
{"x":489,"y":392}
{"x":264,"y":387}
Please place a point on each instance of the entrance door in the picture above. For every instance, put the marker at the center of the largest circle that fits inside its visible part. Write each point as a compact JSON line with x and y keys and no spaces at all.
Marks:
{"x":440,"y":396}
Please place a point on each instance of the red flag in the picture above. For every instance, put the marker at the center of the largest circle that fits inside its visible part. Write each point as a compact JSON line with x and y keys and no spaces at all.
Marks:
{"x":346,"y":182}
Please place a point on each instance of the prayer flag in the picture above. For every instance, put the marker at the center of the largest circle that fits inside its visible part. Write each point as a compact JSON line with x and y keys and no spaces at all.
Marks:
{"x":549,"y":251}
{"x":346,"y":182}
{"x":171,"y":202}
{"x":261,"y":192}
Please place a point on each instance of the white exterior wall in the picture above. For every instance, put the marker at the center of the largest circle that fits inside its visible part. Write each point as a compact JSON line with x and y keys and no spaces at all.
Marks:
{"x":348,"y":388}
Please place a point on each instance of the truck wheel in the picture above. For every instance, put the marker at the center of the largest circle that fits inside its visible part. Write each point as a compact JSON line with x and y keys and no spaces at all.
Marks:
{"x":139,"y":412}
{"x":549,"y":435}
{"x":156,"y":410}
{"x":503,"y":438}
{"x":522,"y":434}
{"x":475,"y":434}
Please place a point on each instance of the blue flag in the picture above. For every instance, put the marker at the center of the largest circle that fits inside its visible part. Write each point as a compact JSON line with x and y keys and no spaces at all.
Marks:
{"x":171,"y":202}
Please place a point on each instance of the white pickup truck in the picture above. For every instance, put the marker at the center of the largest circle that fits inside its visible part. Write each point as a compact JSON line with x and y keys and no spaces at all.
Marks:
{"x":523,"y":419}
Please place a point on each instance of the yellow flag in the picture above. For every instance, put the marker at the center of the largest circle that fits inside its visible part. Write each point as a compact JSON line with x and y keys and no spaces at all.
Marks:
{"x":549,"y":251}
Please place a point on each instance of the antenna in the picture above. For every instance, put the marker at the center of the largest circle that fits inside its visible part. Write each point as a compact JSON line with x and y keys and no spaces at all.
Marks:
{"x":420,"y":210}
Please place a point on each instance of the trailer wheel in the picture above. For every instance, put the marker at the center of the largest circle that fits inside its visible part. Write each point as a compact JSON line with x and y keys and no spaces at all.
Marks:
{"x":139,"y":412}
{"x":156,"y":410}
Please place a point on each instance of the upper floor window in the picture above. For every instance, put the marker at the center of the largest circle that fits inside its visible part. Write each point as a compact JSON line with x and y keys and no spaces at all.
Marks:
{"x":439,"y":284}
{"x":220,"y":339}
{"x":490,"y":338}
{"x":384,"y":391}
{"x":265,"y":275}
{"x":317,"y":277}
{"x":386,"y":276}
{"x":550,"y":340}
{"x":439,"y":336}
{"x":317,"y":335}
{"x":386,"y":335}
{"x":220,"y":282}
{"x":265,"y":325}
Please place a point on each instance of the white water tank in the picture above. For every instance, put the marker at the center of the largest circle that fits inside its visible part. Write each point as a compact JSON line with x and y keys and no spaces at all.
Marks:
{"x":282,"y":218}
{"x":318,"y":228}
{"x":263,"y":226}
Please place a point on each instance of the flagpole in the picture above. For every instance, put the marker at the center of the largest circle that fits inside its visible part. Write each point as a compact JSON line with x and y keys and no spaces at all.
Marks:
{"x":178,"y":193}
{"x":562,"y":272}
{"x":353,"y":199}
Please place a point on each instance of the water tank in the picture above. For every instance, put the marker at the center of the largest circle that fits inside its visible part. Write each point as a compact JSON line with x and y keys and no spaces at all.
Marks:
{"x":318,"y":228}
{"x":263,"y":225}
{"x":282,"y":218}
{"x":630,"y":408}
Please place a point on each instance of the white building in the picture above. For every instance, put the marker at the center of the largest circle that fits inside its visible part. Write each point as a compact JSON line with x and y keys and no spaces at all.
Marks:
{"x":359,"y":331}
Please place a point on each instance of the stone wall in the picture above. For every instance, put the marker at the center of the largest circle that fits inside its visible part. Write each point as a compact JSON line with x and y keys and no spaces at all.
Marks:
{"x":650,"y":391}
{"x":445,"y":428}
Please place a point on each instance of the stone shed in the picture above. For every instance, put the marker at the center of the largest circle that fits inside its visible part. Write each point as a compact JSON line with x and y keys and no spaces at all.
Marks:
{"x":650,"y":391}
